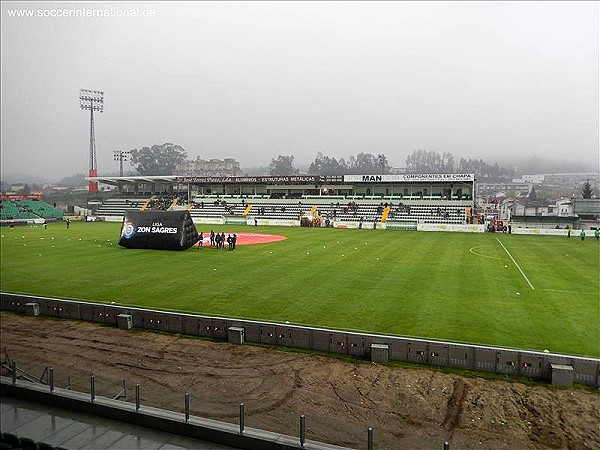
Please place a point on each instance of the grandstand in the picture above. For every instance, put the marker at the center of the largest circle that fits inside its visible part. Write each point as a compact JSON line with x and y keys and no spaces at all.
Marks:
{"x":398,"y":200}
{"x":23,"y":208}
{"x":12,"y":211}
{"x":40,"y":208}
{"x":117,"y":206}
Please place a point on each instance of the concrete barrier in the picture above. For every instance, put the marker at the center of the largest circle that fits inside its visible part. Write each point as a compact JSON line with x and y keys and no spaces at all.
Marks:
{"x":437,"y":354}
{"x":301,"y":338}
{"x":417,"y":352}
{"x":268,"y":334}
{"x":252,"y":331}
{"x":190,"y":325}
{"x":205,"y":327}
{"x":71,"y":310}
{"x":508,"y":362}
{"x":148,"y":320}
{"x":49,"y":308}
{"x":586,"y":371}
{"x":174,"y":323}
{"x":283,"y":336}
{"x":358,"y":345}
{"x":321,"y":340}
{"x":398,"y":347}
{"x":530,"y":365}
{"x":219,"y":328}
{"x":98,"y":313}
{"x":456,"y":228}
{"x":110,"y":315}
{"x":87,"y":313}
{"x":485,"y":359}
{"x":461,"y":356}
{"x":513,"y":362}
{"x":338,"y":342}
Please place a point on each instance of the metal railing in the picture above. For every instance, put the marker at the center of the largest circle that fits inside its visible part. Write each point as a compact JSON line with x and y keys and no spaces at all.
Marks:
{"x":360,"y":436}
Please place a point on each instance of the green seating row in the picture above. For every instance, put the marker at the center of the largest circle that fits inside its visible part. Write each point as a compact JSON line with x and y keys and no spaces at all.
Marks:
{"x":41,"y":208}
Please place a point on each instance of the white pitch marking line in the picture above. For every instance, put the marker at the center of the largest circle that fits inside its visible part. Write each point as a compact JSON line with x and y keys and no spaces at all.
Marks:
{"x":513,"y":260}
{"x":485,"y":256}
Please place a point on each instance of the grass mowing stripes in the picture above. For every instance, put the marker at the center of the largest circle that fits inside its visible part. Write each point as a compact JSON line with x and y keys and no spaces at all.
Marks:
{"x":452,"y":286}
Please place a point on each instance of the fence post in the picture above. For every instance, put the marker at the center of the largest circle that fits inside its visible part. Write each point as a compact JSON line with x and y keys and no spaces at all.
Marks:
{"x":137,"y":397}
{"x":13,"y":370}
{"x":302,"y":430}
{"x":51,"y":379}
{"x":92,"y":388}
{"x":241,"y":418}
{"x":187,"y":406}
{"x":69,"y":382}
{"x":370,"y":438}
{"x":124,"y":389}
{"x":446,"y":446}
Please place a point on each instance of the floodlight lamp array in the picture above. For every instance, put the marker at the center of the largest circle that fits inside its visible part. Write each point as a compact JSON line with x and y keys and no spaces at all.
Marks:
{"x":121,"y":155}
{"x":91,"y":100}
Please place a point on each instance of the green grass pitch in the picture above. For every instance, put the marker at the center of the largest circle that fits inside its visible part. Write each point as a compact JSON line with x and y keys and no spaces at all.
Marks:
{"x":528,"y":292}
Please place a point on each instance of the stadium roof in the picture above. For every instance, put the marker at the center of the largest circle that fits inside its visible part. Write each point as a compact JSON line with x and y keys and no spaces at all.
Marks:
{"x":122,"y":181}
{"x":297,"y":179}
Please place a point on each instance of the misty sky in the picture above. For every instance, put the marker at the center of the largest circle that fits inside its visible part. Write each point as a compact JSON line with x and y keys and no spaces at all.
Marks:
{"x":251,"y":80}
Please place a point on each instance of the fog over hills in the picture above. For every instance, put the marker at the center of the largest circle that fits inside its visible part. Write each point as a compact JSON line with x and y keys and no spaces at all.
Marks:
{"x":252,"y":80}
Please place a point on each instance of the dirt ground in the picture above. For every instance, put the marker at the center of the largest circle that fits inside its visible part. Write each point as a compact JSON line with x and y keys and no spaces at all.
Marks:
{"x":407,"y":408}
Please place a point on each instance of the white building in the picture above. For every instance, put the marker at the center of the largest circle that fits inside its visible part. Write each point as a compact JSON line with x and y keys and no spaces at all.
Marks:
{"x":533,"y":179}
{"x":227,"y":167}
{"x":576,"y":213}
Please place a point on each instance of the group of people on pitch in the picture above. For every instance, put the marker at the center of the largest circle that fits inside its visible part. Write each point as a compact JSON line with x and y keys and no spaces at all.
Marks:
{"x":218,"y":240}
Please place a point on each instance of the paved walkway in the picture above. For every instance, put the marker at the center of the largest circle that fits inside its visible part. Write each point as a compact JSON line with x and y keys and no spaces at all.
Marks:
{"x":77,"y":431}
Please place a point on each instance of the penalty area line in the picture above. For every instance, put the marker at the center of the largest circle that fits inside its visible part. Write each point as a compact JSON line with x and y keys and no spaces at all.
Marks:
{"x":518,"y":267}
{"x":472,"y":250}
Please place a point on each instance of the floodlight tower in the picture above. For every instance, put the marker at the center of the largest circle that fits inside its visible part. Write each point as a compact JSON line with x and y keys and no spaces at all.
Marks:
{"x":94,"y":101}
{"x":121,"y":155}
{"x":381,"y":158}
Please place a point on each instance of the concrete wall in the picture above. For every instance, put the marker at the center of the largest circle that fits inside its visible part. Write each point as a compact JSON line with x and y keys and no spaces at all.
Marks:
{"x":451,"y":227}
{"x":552,"y":232}
{"x":217,"y":220}
{"x":366,"y":225}
{"x":535,"y":365}
{"x":272,"y":221}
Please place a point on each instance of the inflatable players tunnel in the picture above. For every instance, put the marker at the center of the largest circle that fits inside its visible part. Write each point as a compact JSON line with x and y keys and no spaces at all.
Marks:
{"x":160,"y":230}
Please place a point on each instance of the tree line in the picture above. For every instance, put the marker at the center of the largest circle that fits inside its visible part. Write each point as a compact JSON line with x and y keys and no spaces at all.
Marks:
{"x":423,"y":161}
{"x":419,"y":161}
{"x":163,"y":159}
{"x":326,"y":165}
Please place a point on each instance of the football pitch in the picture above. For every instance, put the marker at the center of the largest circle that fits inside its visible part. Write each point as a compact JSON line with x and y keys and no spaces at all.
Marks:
{"x":527,"y":292}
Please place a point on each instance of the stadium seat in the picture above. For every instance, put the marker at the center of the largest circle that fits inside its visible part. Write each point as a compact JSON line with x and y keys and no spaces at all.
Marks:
{"x":40,"y":209}
{"x":11,"y":439}
{"x":28,"y":444}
